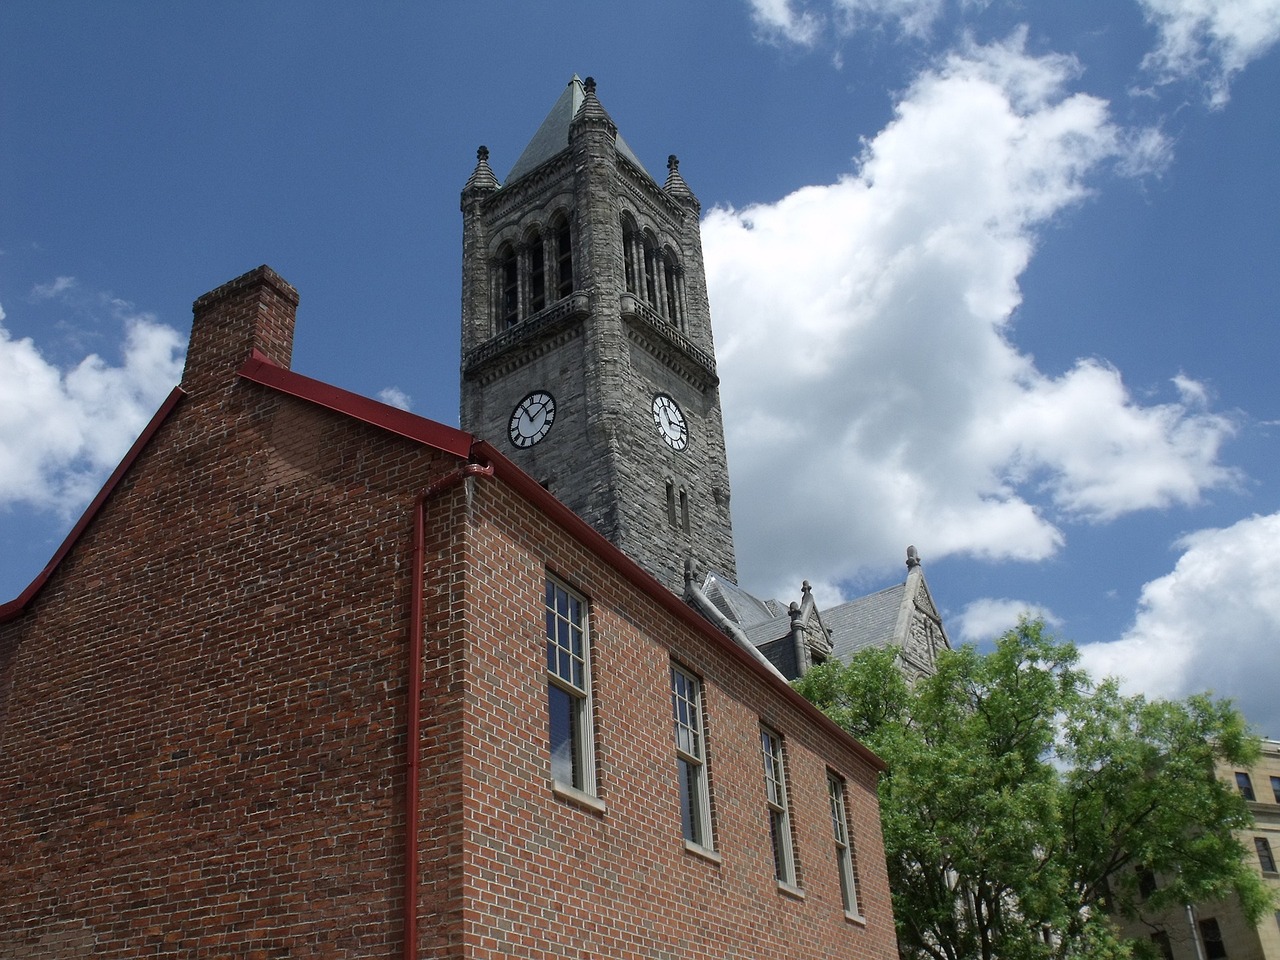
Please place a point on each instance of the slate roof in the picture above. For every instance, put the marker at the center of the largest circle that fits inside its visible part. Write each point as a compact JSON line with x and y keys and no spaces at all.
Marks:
{"x":553,"y":136}
{"x":869,"y":621}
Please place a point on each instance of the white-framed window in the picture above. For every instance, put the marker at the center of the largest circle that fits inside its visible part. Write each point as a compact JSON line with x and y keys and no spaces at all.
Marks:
{"x":691,"y":758}
{"x":569,"y":689}
{"x":844,"y":848}
{"x":775,"y":784}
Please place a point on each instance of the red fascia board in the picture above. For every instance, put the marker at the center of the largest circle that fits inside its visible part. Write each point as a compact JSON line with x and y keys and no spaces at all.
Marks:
{"x":258,"y":369}
{"x":14,"y":608}
{"x":638,"y":577}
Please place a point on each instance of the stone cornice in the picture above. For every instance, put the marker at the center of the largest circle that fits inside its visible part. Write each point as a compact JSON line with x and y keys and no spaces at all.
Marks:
{"x":647,"y":329}
{"x":527,"y":340}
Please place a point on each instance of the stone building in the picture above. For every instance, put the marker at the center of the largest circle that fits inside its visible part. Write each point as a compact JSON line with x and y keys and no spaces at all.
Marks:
{"x":1213,"y":931}
{"x":587,"y":351}
{"x":316,"y":677}
{"x":903,"y":617}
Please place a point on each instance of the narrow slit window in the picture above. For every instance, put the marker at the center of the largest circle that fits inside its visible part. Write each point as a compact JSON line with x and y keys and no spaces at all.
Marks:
{"x":537,"y":273}
{"x":673,"y":297}
{"x":844,"y":849}
{"x":569,"y":688}
{"x":564,"y":259}
{"x":629,"y":254}
{"x":508,"y":287}
{"x":775,"y":783}
{"x":650,"y":273}
{"x":691,"y":761}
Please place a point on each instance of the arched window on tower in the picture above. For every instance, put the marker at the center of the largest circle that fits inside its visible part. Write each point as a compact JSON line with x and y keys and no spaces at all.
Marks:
{"x":629,"y":252}
{"x":651,"y":270}
{"x":564,"y":255}
{"x":671,"y":278}
{"x":537,"y":271}
{"x":508,"y":287}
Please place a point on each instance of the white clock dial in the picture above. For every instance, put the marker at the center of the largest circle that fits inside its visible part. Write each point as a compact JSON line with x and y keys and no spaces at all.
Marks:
{"x":532,"y":418}
{"x":670,"y":422}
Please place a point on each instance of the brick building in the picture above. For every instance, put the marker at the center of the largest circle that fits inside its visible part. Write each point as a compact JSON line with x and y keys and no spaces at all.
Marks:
{"x":213,"y":698}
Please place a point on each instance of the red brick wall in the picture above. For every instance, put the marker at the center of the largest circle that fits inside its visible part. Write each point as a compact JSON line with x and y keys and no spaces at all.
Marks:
{"x":202,"y":719}
{"x":547,"y":878}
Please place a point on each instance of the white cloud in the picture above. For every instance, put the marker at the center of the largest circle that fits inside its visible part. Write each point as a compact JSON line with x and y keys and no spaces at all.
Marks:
{"x":913,"y":17}
{"x":779,"y":20}
{"x":861,"y":331}
{"x":62,"y":431}
{"x":1210,"y":39}
{"x":55,"y":288}
{"x":1213,"y":623}
{"x":395,"y":397}
{"x":989,"y":617}
{"x":782,"y":20}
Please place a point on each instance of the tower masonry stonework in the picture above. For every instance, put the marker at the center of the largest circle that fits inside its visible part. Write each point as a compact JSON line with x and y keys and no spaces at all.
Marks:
{"x":587,"y":351}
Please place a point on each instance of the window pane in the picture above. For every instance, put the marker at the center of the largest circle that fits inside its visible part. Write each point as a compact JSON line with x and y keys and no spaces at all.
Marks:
{"x":778,"y":837}
{"x":1245,"y":785}
{"x":1275,"y":788}
{"x":1265,"y":859}
{"x":690,"y":802}
{"x":1211,"y":934}
{"x":564,"y":747}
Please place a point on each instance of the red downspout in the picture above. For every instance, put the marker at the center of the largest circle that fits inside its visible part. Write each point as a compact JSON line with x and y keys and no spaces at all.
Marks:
{"x":414,"y":722}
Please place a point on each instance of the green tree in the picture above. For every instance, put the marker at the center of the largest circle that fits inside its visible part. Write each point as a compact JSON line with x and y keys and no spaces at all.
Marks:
{"x":1022,"y":799}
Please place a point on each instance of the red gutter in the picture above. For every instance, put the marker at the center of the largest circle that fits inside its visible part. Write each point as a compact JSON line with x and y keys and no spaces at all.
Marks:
{"x":414,"y":712}
{"x":259,"y":369}
{"x":14,"y":608}
{"x":643,"y":581}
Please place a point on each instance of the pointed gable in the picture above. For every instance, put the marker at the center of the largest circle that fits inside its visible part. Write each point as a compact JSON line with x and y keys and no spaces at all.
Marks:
{"x":552,"y":137}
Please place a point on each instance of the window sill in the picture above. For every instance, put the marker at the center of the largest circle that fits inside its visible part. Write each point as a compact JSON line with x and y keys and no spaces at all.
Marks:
{"x":701,"y":851}
{"x":577,"y":797}
{"x":791,"y":890}
{"x":857,"y":918}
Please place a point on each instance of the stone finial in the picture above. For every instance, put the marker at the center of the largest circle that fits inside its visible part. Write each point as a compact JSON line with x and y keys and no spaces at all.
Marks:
{"x":913,"y":558}
{"x":794,"y":610}
{"x":805,"y":589}
{"x":482,"y":179}
{"x":591,"y":113}
{"x":675,"y":186}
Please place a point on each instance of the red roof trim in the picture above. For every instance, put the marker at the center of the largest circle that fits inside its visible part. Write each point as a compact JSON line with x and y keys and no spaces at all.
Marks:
{"x":259,"y":369}
{"x":643,"y":581}
{"x":14,"y":608}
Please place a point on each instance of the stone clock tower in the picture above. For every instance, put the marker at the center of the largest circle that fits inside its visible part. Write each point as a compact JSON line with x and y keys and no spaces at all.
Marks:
{"x":587,"y":354}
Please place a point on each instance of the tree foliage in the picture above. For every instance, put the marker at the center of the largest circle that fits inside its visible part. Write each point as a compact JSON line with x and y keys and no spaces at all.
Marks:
{"x":1022,"y":799}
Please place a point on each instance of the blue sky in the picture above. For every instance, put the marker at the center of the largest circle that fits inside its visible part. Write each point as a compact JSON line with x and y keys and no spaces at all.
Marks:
{"x":996,"y":279}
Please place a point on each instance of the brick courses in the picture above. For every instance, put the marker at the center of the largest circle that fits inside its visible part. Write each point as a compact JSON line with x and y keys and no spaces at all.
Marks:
{"x":202,"y":713}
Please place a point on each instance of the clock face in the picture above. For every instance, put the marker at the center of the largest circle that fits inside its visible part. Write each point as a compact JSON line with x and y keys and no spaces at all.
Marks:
{"x":670,"y":422}
{"x":531,"y":419}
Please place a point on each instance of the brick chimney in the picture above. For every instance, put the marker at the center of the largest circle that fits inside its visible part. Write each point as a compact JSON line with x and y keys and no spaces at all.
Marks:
{"x":252,"y":312}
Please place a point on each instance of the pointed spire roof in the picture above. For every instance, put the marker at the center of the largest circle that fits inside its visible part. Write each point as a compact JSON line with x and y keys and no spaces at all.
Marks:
{"x":552,"y":137}
{"x":482,"y":177}
{"x":675,"y":186}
